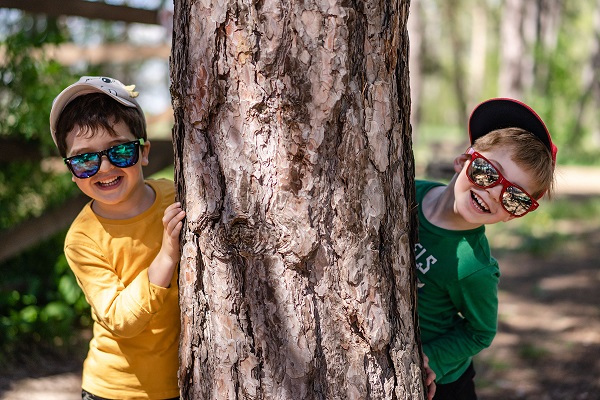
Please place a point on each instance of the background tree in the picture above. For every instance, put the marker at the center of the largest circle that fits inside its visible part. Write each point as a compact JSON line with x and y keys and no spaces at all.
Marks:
{"x":294,"y":164}
{"x":542,"y":52}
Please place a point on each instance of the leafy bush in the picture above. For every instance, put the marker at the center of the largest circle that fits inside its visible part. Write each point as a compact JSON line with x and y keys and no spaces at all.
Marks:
{"x":40,"y":301}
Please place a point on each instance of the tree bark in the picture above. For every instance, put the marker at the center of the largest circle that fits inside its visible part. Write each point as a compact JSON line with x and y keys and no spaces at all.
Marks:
{"x":416,"y":30}
{"x":458,"y":46}
{"x":512,"y":49}
{"x":293,"y":160}
{"x":590,"y":86}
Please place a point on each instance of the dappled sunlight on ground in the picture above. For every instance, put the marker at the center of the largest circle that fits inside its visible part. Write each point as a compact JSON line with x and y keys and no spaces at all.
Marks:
{"x":57,"y":387}
{"x":548,"y":343}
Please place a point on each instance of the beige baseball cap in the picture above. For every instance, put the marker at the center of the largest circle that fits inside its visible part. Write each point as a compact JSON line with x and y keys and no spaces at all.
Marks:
{"x":92,"y":84}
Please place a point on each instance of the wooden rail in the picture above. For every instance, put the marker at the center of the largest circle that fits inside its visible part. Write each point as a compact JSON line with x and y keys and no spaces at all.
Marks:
{"x":86,"y":9}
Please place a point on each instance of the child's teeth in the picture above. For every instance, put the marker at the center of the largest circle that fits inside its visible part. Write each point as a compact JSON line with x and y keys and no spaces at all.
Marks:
{"x":107,"y":183}
{"x":480,"y":202}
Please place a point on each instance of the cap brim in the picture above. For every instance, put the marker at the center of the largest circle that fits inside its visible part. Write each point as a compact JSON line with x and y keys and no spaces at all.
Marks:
{"x":508,"y":113}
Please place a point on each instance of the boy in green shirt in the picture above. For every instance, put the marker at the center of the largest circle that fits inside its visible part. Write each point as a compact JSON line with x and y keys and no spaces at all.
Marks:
{"x":123,"y":247}
{"x":509,"y":166}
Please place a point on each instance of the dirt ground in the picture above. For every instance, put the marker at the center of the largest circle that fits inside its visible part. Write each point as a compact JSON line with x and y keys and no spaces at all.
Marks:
{"x":548,"y":342}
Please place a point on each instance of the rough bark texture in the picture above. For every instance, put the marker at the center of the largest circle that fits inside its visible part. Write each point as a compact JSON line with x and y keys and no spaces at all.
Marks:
{"x":294,"y":164}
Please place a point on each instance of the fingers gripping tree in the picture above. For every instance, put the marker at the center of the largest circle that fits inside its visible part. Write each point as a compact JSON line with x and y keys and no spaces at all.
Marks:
{"x":294,"y":164}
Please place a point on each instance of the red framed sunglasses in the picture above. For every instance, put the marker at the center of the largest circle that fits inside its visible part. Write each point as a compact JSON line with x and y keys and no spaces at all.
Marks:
{"x":514,"y":199}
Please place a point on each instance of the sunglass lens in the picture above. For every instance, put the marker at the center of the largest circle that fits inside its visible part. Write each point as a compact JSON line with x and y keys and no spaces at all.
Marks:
{"x":483,"y":173}
{"x":85,"y":165}
{"x":516,"y":201}
{"x":124,"y":155}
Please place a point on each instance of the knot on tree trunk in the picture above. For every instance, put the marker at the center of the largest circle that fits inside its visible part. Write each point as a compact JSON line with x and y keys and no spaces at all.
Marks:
{"x":245,"y":237}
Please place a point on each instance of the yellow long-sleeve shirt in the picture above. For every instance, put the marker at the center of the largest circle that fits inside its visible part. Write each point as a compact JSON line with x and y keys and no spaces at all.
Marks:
{"x":134,"y":350}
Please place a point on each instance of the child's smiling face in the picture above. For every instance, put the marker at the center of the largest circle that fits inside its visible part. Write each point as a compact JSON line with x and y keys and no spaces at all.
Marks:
{"x":483,"y":205}
{"x":114,"y":190}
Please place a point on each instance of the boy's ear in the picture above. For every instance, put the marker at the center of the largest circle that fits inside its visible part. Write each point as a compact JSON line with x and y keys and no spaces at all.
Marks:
{"x":146,"y":153}
{"x":459,"y":162}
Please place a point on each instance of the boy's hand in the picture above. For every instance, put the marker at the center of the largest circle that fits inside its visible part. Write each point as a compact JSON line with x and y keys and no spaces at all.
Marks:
{"x":172,"y":222}
{"x":161,"y":270}
{"x":430,"y":379}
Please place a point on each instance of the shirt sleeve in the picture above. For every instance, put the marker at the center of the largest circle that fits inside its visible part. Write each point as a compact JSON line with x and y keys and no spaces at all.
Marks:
{"x":123,"y":310}
{"x":476,"y":298}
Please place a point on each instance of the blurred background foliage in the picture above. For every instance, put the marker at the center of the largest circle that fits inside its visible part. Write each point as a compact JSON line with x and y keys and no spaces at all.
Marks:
{"x":546,"y":53}
{"x":39,"y":299}
{"x":41,"y":306}
{"x":26,"y":188}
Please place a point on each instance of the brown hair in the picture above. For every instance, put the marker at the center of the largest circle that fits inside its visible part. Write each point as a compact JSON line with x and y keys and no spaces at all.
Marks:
{"x":94,"y":111}
{"x":528,"y":152}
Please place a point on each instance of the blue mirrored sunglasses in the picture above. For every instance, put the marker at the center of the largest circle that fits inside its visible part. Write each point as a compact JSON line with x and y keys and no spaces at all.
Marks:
{"x":123,"y":155}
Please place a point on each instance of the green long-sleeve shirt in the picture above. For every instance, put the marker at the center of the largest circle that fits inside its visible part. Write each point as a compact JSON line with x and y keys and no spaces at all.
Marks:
{"x":458,"y":294}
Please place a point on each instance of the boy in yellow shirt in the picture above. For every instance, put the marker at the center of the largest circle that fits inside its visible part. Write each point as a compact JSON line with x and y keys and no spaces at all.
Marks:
{"x":123,"y":247}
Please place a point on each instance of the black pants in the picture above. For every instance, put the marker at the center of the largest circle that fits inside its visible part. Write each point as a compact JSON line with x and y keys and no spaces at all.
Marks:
{"x":85,"y":395}
{"x":461,"y":389}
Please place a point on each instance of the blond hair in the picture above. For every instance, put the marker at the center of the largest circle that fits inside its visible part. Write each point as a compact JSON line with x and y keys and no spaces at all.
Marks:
{"x":528,"y":152}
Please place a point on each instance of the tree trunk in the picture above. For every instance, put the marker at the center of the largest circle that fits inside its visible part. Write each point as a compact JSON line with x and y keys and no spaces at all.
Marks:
{"x":512,"y":49}
{"x":294,"y":164}
{"x":416,"y":29}
{"x":458,"y":46}
{"x":590,"y":87}
{"x":477,"y":53}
